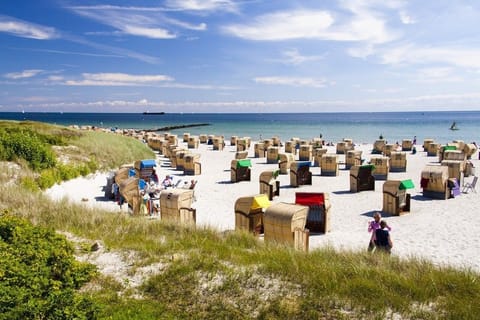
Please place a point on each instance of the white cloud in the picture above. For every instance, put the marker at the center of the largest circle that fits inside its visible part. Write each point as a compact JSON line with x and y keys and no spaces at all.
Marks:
{"x":291,"y":81}
{"x":22,"y":75}
{"x":466,"y":101}
{"x":361,"y":24}
{"x":361,"y":52}
{"x":406,"y":18}
{"x":284,"y":26}
{"x":154,"y":33}
{"x":294,"y":57}
{"x":56,"y":78}
{"x":437,"y":74}
{"x":415,"y":54}
{"x":26,"y":29}
{"x":88,"y":54}
{"x":202,"y":5}
{"x":149,"y":22}
{"x":141,"y":23}
{"x":123,"y":80}
{"x":186,"y":25}
{"x":117,"y":79}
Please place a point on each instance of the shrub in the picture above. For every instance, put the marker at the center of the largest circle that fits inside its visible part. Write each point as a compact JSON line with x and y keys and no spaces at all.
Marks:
{"x":47,"y":178}
{"x":29,"y":183}
{"x":26,"y":144}
{"x":67,"y":172}
{"x":93,"y":165}
{"x":39,"y":276}
{"x":84,"y":170}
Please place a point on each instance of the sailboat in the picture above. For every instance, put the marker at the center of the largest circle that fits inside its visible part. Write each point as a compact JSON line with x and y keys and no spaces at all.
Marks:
{"x":453,"y":126}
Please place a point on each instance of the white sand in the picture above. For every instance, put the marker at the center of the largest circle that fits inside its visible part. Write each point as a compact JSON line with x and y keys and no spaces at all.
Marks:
{"x":442,"y":231}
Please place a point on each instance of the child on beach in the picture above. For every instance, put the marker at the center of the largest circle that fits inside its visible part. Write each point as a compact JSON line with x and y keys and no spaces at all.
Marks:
{"x":383,"y":241}
{"x":372,"y":227}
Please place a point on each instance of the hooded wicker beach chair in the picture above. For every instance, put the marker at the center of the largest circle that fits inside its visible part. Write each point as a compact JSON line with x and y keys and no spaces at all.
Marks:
{"x":284,"y":223}
{"x":300,"y":173}
{"x":361,"y":178}
{"x":396,"y":200}
{"x":269,"y":184}
{"x":240,"y":170}
{"x":318,"y":203}
{"x":249,"y":213}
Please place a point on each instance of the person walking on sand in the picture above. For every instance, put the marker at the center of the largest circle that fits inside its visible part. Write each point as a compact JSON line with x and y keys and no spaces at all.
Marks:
{"x":383,"y":241}
{"x":372,"y":227}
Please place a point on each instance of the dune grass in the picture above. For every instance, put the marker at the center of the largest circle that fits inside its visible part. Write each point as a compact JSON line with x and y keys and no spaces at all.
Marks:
{"x":204,"y":274}
{"x":111,"y":150}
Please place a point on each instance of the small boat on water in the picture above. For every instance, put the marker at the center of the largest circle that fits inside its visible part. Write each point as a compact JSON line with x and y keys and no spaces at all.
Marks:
{"x":153,"y":113}
{"x":454,"y":126}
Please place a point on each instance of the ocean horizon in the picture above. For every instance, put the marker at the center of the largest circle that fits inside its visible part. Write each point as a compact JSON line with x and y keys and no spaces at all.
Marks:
{"x":362,"y":127}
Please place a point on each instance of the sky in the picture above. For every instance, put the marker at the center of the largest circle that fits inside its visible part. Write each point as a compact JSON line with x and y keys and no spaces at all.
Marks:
{"x":239,"y":55}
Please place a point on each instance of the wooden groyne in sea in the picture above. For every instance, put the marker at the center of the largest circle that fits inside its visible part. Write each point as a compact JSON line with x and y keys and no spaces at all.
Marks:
{"x":177,"y":127}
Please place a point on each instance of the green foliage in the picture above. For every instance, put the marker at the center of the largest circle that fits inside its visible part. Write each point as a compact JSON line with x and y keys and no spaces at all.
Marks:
{"x":48,"y":178}
{"x":26,"y":144}
{"x":91,"y":166}
{"x":63,"y":172}
{"x":29,"y":184}
{"x":30,"y":145}
{"x":39,"y":277}
{"x":68,"y":172}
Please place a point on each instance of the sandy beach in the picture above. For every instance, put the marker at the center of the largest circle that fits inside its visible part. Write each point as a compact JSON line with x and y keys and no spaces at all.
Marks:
{"x":446,"y":232}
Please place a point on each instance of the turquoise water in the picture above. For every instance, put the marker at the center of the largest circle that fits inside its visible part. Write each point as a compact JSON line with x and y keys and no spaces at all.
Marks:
{"x":363,"y":127}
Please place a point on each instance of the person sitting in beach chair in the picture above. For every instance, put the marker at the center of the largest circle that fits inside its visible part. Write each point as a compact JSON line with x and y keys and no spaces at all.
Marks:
{"x":167,"y":182}
{"x":155,"y":203}
{"x":151,"y":188}
{"x":154,"y":177}
{"x":192,"y":184}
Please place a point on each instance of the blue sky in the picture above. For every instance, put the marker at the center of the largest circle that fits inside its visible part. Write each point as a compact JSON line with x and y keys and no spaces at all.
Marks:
{"x":239,"y":56}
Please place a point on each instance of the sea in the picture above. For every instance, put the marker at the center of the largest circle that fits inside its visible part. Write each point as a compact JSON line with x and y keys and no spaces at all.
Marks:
{"x":361,"y":127}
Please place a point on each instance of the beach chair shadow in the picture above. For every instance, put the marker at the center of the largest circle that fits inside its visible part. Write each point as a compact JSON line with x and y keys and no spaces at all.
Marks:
{"x":102,"y":199}
{"x":225,"y":181}
{"x":470,"y":185}
{"x":420,"y":197}
{"x":342,"y":192}
{"x":287,"y":186}
{"x":372,"y":212}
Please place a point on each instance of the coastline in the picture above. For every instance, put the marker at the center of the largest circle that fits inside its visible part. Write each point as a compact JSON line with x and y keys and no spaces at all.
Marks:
{"x":435,"y":230}
{"x":361,"y":126}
